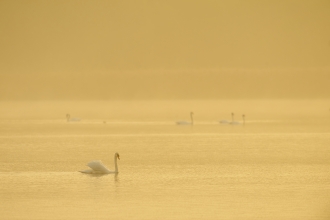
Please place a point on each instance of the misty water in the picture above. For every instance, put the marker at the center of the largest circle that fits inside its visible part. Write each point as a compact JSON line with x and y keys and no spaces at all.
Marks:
{"x":275,"y":166}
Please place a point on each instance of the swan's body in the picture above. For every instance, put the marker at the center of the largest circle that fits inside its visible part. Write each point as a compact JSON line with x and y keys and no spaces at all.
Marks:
{"x":234,"y":123}
{"x":183,"y":123}
{"x":97,"y":167}
{"x":187,"y":122}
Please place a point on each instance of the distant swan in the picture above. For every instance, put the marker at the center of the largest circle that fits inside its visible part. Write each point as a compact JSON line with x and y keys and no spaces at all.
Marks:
{"x":233,"y":122}
{"x":187,"y":122}
{"x":226,"y":121}
{"x":68,"y":118}
{"x":97,"y":167}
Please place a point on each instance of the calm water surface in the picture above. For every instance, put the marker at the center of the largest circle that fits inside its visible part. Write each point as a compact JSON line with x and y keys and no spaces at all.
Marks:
{"x":273,"y":167}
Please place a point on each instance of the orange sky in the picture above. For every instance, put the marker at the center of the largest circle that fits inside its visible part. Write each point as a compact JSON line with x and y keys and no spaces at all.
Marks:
{"x":125,"y":49}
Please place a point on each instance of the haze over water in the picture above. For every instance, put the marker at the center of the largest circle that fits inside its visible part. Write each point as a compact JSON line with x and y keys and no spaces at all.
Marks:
{"x":127,"y":71}
{"x":276,"y":166}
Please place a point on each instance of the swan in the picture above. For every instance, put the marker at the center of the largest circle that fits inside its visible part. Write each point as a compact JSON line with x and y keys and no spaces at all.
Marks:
{"x":97,"y":167}
{"x":68,"y":118}
{"x":226,"y":121}
{"x":187,"y":122}
{"x":232,"y":120}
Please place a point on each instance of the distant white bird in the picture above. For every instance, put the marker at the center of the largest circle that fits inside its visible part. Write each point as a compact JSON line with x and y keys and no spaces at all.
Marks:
{"x":187,"y":122}
{"x":97,"y":167}
{"x":233,"y":122}
{"x":69,"y":119}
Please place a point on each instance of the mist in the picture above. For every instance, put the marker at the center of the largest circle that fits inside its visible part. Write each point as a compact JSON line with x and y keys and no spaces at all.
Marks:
{"x":59,"y":50}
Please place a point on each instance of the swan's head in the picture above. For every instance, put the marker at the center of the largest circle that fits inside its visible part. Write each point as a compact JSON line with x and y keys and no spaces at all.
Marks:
{"x":117,"y":155}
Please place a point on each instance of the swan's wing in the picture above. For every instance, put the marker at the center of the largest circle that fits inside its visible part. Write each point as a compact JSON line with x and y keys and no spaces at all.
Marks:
{"x":98,"y":166}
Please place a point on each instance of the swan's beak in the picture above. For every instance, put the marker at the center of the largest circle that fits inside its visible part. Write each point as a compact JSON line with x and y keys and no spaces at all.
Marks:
{"x":118,"y":157}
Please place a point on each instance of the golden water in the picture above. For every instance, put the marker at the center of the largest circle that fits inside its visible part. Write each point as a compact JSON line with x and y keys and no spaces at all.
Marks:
{"x":276,"y":166}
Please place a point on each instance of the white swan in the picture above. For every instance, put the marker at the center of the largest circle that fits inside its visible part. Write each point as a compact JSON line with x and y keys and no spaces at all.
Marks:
{"x":226,"y":121}
{"x":232,"y":122}
{"x":187,"y":122}
{"x":97,"y":167}
{"x":68,"y":118}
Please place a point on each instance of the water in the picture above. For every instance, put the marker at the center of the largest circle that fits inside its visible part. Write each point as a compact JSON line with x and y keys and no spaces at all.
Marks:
{"x":276,"y":166}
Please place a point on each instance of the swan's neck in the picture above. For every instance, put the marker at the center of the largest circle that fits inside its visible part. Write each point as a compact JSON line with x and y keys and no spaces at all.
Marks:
{"x":192,"y":119}
{"x":67,"y":117}
{"x":116,"y":166}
